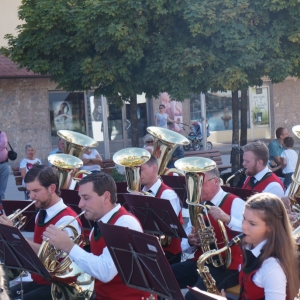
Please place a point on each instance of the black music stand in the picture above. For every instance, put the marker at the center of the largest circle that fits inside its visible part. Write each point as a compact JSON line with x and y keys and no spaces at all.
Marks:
{"x":71,"y":198}
{"x":140,"y":261}
{"x":156,"y":215}
{"x":178,"y":184}
{"x":242,"y":193}
{"x":121,"y":190}
{"x":16,"y":253}
{"x":11,"y":206}
{"x":202,"y":295}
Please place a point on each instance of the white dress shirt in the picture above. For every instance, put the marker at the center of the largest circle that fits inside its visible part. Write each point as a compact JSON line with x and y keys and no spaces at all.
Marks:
{"x":102,"y":266}
{"x":166,"y":194}
{"x":273,"y":187}
{"x":235,"y":223}
{"x":270,"y":276}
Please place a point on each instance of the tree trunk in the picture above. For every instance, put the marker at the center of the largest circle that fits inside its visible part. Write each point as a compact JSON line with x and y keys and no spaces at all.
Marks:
{"x":134,"y":121}
{"x":235,"y":157}
{"x":244,"y":100}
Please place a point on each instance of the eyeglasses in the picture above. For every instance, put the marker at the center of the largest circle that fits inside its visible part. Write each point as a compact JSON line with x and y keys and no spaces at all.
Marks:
{"x":161,"y":107}
{"x":210,"y":179}
{"x":149,"y":142}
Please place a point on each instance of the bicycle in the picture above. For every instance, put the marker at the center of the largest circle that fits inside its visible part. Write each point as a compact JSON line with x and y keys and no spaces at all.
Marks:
{"x":195,"y":140}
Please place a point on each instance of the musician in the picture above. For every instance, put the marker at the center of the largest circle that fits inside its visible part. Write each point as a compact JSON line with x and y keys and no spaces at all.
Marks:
{"x":155,"y":186}
{"x":98,"y":197}
{"x":42,"y":185}
{"x":227,"y":208}
{"x":270,"y":268}
{"x":260,"y":178}
{"x":3,"y":289}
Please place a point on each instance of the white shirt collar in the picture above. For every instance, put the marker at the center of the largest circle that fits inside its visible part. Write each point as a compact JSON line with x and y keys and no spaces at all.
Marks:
{"x":154,"y":188}
{"x":106,"y":217}
{"x":256,"y":251}
{"x":54,"y":209}
{"x":262,"y":173}
{"x":218,"y":197}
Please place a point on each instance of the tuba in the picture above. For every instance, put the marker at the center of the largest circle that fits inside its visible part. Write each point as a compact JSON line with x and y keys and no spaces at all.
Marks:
{"x":132,"y":159}
{"x":203,"y":270}
{"x":195,"y":169}
{"x":66,"y":167}
{"x":76,"y":143}
{"x":294,"y":192}
{"x":70,"y":282}
{"x":164,"y":145}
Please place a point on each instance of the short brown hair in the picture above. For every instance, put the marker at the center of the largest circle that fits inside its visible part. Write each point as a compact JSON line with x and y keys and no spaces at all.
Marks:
{"x":260,"y":151}
{"x":289,"y":142}
{"x":279,"y":131}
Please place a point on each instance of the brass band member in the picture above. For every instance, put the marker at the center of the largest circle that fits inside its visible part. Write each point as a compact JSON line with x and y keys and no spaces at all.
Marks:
{"x":98,"y":197}
{"x":260,"y":178}
{"x":42,"y":185}
{"x":154,"y":185}
{"x":270,"y":268}
{"x":227,"y":208}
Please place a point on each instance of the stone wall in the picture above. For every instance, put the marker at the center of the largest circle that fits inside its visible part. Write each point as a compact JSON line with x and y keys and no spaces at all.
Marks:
{"x":24,"y":114}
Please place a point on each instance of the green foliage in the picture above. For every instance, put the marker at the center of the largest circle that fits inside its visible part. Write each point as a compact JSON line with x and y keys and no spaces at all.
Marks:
{"x":118,"y":177}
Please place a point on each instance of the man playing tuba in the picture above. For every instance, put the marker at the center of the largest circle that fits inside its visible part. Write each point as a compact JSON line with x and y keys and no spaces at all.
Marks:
{"x":42,"y":185}
{"x":98,"y":197}
{"x":227,"y":208}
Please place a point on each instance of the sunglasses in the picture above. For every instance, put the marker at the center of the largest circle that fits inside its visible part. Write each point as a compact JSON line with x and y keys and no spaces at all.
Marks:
{"x":161,"y":107}
{"x":149,"y":142}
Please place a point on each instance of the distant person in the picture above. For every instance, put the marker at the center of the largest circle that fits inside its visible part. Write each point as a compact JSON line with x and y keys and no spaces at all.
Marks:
{"x":28,"y":162}
{"x":4,"y":167}
{"x":226,"y":118}
{"x":161,"y":119}
{"x":177,"y":154}
{"x":276,"y":148}
{"x":148,"y":140}
{"x":60,"y":147}
{"x":92,"y":160}
{"x":289,"y":159}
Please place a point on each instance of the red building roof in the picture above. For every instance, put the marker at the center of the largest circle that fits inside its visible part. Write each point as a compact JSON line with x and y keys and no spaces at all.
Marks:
{"x":9,"y":69}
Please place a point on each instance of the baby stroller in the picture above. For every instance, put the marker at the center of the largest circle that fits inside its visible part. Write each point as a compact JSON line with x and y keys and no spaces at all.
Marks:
{"x":195,"y":137}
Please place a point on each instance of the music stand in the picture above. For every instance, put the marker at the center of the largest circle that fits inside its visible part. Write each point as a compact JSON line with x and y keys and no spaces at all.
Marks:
{"x":242,"y":193}
{"x":140,"y":261}
{"x":156,"y":215}
{"x":121,"y":190}
{"x":11,"y":206}
{"x":17,"y":253}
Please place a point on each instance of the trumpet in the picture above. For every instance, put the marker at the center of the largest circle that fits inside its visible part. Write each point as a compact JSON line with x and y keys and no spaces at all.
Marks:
{"x":18,"y":219}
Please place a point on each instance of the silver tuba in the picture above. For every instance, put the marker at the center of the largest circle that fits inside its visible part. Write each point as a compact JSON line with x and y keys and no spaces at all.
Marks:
{"x":195,"y":169}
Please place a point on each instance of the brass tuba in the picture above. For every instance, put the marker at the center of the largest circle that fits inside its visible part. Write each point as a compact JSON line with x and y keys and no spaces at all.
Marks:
{"x":195,"y":169}
{"x":76,"y":143}
{"x":132,"y":159}
{"x":164,"y":145}
{"x":294,"y":192}
{"x":66,"y":167}
{"x":203,"y":270}
{"x":80,"y":285}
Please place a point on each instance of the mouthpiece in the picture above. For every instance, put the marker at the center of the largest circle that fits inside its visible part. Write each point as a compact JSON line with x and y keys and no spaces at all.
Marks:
{"x":240,"y":171}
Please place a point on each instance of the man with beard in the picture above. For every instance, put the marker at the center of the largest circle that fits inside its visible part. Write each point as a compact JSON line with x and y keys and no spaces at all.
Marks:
{"x":42,"y":185}
{"x":260,"y":178}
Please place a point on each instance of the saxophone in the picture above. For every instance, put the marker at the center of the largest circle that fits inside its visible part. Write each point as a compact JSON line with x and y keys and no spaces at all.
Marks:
{"x":203,"y":270}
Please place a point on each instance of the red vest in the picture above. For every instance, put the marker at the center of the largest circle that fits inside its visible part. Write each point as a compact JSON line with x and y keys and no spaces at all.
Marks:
{"x":174,"y":247}
{"x":236,"y":252}
{"x":249,"y":290}
{"x":262,"y":184}
{"x":114,"y":289}
{"x":39,"y":230}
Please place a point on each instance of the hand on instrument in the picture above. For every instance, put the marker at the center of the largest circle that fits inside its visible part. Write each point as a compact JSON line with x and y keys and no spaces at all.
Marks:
{"x":218,"y":214}
{"x":6,"y":221}
{"x":58,"y":238}
{"x":192,"y":237}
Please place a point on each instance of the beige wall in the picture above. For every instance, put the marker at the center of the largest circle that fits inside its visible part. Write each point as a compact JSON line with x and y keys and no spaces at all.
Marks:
{"x":8,"y":18}
{"x":25,"y":115}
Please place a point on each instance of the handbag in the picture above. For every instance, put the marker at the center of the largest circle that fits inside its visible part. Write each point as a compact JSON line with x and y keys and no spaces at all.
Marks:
{"x":12,"y":155}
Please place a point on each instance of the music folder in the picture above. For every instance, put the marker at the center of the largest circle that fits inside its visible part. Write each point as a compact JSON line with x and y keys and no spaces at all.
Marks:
{"x":16,"y":253}
{"x":140,"y":261}
{"x":156,"y":215}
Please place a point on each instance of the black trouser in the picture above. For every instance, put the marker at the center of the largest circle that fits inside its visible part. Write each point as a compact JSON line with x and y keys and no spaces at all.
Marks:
{"x":186,"y":275}
{"x":173,"y":258}
{"x":31,"y":290}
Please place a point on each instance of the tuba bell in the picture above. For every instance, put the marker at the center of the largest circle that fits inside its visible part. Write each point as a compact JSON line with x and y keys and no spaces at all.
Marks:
{"x":195,"y":169}
{"x":76,"y":143}
{"x":132,"y":159}
{"x":164,"y":145}
{"x":66,"y":167}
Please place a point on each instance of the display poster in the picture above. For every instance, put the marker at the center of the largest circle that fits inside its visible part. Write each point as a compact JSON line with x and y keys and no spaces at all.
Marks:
{"x":97,"y":121}
{"x":260,"y":106}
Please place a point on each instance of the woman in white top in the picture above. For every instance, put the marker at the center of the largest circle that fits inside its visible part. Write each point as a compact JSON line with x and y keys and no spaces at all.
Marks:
{"x":270,"y":268}
{"x":28,"y":162}
{"x":92,"y":160}
{"x":161,"y":119}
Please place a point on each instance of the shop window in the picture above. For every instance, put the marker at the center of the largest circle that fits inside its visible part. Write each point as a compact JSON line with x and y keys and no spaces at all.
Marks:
{"x":67,"y":111}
